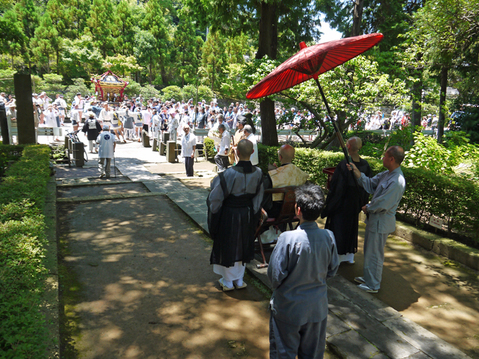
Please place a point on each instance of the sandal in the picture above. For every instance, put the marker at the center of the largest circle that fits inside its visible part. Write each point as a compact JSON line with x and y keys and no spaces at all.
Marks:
{"x":225,"y":288}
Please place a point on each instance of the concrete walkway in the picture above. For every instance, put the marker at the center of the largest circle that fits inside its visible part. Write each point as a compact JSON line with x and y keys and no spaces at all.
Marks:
{"x":359,"y":325}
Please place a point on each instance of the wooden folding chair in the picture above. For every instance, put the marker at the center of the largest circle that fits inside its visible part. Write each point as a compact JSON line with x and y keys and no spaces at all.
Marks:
{"x":286,"y":217}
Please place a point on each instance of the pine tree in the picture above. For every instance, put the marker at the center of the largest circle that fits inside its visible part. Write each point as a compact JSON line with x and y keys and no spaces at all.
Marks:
{"x":27,"y":14}
{"x":101,"y":25}
{"x":13,"y":39}
{"x":188,"y":46}
{"x":79,"y":12}
{"x":46,"y":41}
{"x":145,"y":50}
{"x":125,"y":28}
{"x":156,"y":22}
{"x":214,"y":58}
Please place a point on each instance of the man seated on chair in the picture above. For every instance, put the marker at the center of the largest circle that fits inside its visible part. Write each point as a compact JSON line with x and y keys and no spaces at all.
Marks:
{"x":286,"y":174}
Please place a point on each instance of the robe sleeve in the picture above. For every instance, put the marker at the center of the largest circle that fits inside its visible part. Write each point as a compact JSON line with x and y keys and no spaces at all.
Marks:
{"x":279,"y":262}
{"x":336,"y":192}
{"x":388,"y":199}
{"x":334,"y":263}
{"x":370,"y":184}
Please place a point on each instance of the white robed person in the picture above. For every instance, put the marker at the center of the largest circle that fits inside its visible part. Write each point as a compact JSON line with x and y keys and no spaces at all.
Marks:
{"x":188,"y":145}
{"x":221,"y":159}
{"x":249,"y":133}
{"x":234,"y":207}
{"x":106,"y":141}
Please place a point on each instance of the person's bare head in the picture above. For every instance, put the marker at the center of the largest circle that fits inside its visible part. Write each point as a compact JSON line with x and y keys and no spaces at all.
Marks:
{"x":397,"y":152}
{"x":244,"y":149}
{"x":354,"y":144}
{"x":393,"y":157}
{"x":248,"y":129}
{"x":286,"y":154}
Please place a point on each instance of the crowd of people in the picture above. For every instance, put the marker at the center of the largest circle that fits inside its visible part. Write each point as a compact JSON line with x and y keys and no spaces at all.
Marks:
{"x":130,"y":117}
{"x":396,"y":120}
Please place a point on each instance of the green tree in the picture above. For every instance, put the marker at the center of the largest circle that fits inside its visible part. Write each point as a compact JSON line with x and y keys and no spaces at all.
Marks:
{"x":389,"y":17}
{"x":125,"y":24}
{"x":13,"y":40}
{"x":214,"y":59}
{"x":79,"y":12}
{"x":278,"y":26}
{"x":60,"y":15}
{"x":188,"y":46}
{"x":145,"y":50}
{"x":27,"y":14}
{"x":46,"y":41}
{"x":52,"y":84}
{"x":449,"y":28}
{"x":352,"y":90}
{"x":237,"y":48}
{"x":78,"y":85}
{"x":156,"y":22}
{"x":80,"y":58}
{"x":121,"y":64}
{"x":101,"y":25}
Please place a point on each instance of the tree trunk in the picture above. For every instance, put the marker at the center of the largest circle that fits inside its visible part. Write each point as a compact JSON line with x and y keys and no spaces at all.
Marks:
{"x":442,"y":103}
{"x":213,"y":77}
{"x":268,"y":45}
{"x":151,"y":73}
{"x":268,"y":123}
{"x":58,"y":61}
{"x":416,"y":103}
{"x":357,"y":17}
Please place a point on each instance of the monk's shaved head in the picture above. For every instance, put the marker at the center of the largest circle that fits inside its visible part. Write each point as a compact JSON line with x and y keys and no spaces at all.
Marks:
{"x":287,"y":153}
{"x":244,"y":149}
{"x":355,"y":143}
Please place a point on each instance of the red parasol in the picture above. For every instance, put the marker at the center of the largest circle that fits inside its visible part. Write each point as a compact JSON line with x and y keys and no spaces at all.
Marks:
{"x":309,"y":63}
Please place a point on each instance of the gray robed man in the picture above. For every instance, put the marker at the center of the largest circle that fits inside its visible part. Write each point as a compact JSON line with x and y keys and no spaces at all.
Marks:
{"x":234,"y":206}
{"x":387,"y":189}
{"x":106,"y":141}
{"x":299,"y":265}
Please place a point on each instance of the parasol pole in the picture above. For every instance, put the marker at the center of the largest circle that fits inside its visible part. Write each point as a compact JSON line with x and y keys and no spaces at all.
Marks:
{"x":335,"y":125}
{"x":336,"y":129}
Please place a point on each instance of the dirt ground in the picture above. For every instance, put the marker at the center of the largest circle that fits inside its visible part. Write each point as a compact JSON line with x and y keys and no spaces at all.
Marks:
{"x":436,"y":293}
{"x":137,"y":284}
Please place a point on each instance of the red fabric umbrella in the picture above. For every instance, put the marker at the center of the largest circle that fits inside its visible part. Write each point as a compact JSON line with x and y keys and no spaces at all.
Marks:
{"x":309,"y":63}
{"x":312,"y":61}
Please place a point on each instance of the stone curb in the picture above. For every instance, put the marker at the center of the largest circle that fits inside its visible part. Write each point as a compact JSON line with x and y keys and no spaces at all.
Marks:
{"x":443,"y":246}
{"x":51,"y":295}
{"x":90,"y":184}
{"x":107,"y":197}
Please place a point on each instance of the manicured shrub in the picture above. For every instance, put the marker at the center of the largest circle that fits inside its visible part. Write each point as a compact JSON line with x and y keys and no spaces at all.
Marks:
{"x":209,"y":148}
{"x":23,"y":333}
{"x":310,"y":160}
{"x":449,"y":197}
{"x":9,"y":154}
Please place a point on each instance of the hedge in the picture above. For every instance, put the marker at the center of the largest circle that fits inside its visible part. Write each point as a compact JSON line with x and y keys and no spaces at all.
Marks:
{"x":23,"y":333}
{"x":9,"y":154}
{"x":451,"y":198}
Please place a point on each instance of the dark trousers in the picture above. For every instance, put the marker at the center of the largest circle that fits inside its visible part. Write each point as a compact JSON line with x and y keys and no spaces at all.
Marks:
{"x":189,"y":166}
{"x":222,"y":162}
{"x":307,"y":341}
